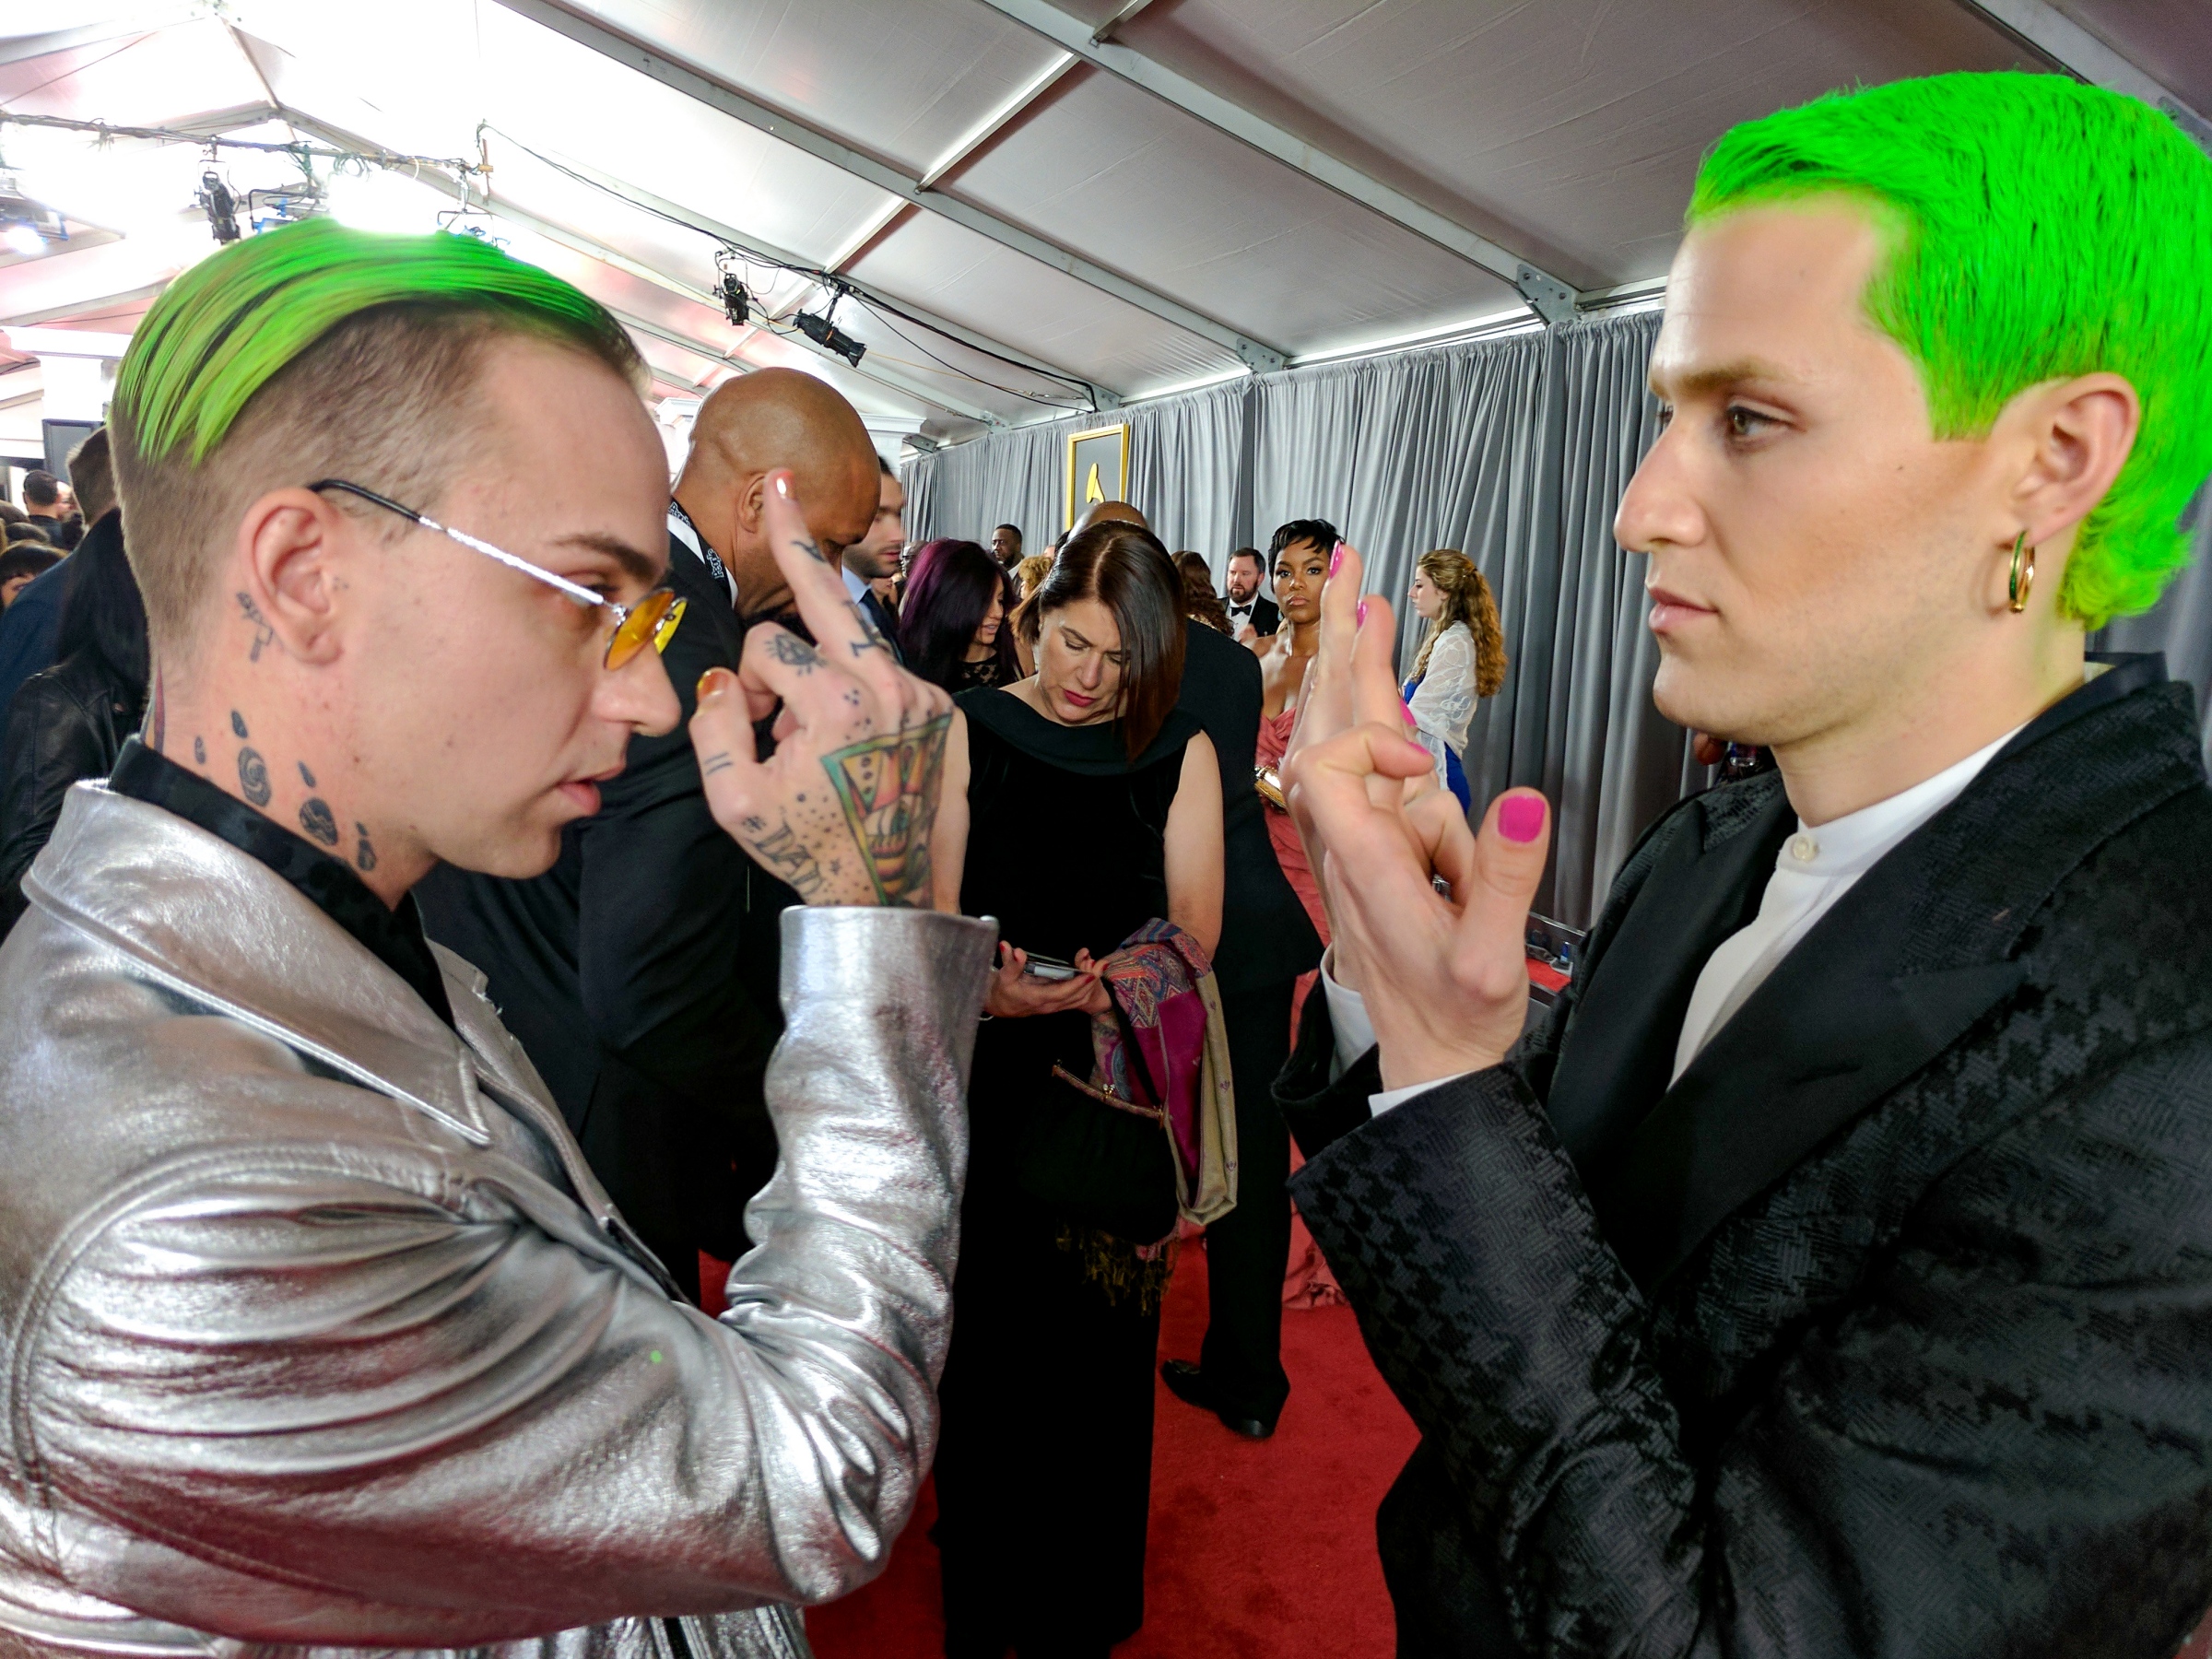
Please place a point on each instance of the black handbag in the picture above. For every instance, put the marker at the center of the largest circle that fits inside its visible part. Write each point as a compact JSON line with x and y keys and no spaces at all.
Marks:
{"x":1099,"y":1164}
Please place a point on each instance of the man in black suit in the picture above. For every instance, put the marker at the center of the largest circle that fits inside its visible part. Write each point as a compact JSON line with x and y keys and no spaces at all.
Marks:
{"x":639,"y":972}
{"x":1248,"y":604}
{"x":1832,"y":1271}
{"x":875,"y":557}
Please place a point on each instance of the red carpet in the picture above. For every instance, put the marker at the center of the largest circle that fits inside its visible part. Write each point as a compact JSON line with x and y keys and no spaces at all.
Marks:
{"x":1257,"y":1551}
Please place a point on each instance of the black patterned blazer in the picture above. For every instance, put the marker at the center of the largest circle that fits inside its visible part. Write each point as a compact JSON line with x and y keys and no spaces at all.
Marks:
{"x":1887,"y":1329}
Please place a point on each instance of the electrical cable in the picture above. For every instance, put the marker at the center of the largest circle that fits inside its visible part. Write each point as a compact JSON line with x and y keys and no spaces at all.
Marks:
{"x":298,"y":148}
{"x":836,"y":286}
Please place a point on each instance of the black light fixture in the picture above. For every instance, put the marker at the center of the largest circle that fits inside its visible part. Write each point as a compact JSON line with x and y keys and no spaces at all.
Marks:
{"x":735,"y":302}
{"x":830,"y":337}
{"x":221,"y":208}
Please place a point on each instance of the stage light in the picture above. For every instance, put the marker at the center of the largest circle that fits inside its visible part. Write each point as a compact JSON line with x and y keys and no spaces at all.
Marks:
{"x":831,"y":337}
{"x":735,"y":302}
{"x":220,"y":207}
{"x":23,"y":240}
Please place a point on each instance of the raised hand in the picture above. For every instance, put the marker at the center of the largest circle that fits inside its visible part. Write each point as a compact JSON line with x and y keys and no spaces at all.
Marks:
{"x":843,"y":809}
{"x":1444,"y":977}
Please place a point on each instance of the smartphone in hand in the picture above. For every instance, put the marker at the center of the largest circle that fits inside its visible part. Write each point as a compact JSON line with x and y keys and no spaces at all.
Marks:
{"x":1049,"y":968}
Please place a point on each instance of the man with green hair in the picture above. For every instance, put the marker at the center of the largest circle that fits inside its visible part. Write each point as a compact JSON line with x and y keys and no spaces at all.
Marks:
{"x":1831,"y":1271}
{"x":319,"y":1331}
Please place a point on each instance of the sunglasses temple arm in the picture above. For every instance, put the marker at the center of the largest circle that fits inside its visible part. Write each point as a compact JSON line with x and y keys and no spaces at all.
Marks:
{"x":582,"y":595}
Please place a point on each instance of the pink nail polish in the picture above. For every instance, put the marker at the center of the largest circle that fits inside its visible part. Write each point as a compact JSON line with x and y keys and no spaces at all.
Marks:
{"x":1335,"y":558}
{"x":1359,"y":615}
{"x":1522,"y":818}
{"x":1406,"y":708}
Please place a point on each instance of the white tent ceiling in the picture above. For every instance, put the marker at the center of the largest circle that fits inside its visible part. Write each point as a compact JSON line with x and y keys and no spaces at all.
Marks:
{"x":1115,"y":198}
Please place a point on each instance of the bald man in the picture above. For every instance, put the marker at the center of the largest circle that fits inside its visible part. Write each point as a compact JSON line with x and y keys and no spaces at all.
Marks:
{"x":1100,"y":512}
{"x":639,"y":972}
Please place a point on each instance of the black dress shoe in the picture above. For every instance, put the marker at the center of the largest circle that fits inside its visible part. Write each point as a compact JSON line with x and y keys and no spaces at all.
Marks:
{"x":1188,"y":1384}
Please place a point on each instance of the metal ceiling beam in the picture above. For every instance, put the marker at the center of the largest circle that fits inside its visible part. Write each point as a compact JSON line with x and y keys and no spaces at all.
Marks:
{"x":2051,"y":34}
{"x":1129,"y":9}
{"x":1548,"y":296}
{"x":86,"y":307}
{"x":638,"y":196}
{"x":22,"y":48}
{"x":716,"y":95}
{"x":576,"y":243}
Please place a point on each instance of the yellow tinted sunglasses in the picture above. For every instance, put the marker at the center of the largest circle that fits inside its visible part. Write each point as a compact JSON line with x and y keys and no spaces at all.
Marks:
{"x":651,"y":619}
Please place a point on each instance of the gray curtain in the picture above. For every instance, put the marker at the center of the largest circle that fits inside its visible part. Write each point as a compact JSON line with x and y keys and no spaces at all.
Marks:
{"x":1190,"y":460}
{"x":1009,"y":479}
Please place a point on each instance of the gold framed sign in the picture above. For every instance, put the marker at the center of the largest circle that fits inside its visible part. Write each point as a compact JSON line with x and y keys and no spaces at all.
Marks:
{"x":1098,"y":468}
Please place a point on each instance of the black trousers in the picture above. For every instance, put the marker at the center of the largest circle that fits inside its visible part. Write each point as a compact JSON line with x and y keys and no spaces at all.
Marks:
{"x":1247,"y":1250}
{"x":1044,"y":1458}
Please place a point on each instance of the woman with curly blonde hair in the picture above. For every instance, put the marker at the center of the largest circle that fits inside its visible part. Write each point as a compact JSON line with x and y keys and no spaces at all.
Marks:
{"x":1461,"y":659}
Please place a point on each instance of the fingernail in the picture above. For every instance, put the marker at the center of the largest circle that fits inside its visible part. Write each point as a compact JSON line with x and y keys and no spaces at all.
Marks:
{"x":1359,"y":615}
{"x":710,"y":686}
{"x":1522,"y":818}
{"x":1406,"y":708}
{"x":1335,"y":557}
{"x":782,"y":484}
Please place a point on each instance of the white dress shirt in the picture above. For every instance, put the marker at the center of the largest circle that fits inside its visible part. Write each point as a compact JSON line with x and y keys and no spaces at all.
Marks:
{"x":1816,"y":868}
{"x":1238,"y":615}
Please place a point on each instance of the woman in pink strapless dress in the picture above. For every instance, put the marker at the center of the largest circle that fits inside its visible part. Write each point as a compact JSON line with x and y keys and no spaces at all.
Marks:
{"x":1289,"y":850}
{"x":1299,"y":570}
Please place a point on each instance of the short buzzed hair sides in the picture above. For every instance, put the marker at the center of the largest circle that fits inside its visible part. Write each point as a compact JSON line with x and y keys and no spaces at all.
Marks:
{"x":2039,"y":229}
{"x":41,"y":488}
{"x":312,"y":351}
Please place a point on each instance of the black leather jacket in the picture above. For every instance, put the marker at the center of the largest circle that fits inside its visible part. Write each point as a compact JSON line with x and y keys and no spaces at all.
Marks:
{"x":65,"y":723}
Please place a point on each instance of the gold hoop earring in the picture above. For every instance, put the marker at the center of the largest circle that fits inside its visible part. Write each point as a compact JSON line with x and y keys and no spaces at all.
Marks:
{"x":2023,"y":574}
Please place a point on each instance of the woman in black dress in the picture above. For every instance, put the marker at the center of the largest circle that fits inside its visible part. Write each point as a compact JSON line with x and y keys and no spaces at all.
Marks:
{"x":952,"y":621}
{"x":1087,"y":806}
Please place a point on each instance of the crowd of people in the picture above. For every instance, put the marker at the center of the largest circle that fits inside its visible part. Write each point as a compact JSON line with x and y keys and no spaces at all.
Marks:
{"x":464,"y":888}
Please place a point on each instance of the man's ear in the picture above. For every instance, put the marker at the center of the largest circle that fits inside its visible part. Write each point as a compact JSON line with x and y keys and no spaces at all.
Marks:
{"x":291,"y":546}
{"x":752,"y":495}
{"x":2077,"y":434}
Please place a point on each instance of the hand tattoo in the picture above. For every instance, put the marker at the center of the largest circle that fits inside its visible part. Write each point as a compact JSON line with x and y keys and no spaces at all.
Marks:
{"x":252,"y":774}
{"x":794,"y":653}
{"x":263,"y":632}
{"x":364,"y":856}
{"x":888,"y":786}
{"x":199,"y":751}
{"x":238,"y":724}
{"x":306,"y":777}
{"x":316,"y":819}
{"x":784,"y":854}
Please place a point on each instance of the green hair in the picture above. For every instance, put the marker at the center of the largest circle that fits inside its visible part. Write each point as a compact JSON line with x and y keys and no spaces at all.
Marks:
{"x":230,"y":324}
{"x":2041,"y":230}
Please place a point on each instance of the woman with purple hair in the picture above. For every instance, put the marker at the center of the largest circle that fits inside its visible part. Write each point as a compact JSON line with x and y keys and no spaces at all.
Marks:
{"x":952,"y":629}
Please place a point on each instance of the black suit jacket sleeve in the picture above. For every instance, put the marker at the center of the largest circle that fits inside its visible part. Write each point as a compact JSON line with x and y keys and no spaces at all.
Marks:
{"x":2007,"y":1391}
{"x":1321,"y":1111}
{"x":662,"y":901}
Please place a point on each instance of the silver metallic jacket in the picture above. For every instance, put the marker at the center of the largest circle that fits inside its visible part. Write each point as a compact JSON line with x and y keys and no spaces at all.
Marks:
{"x":317,"y":1333}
